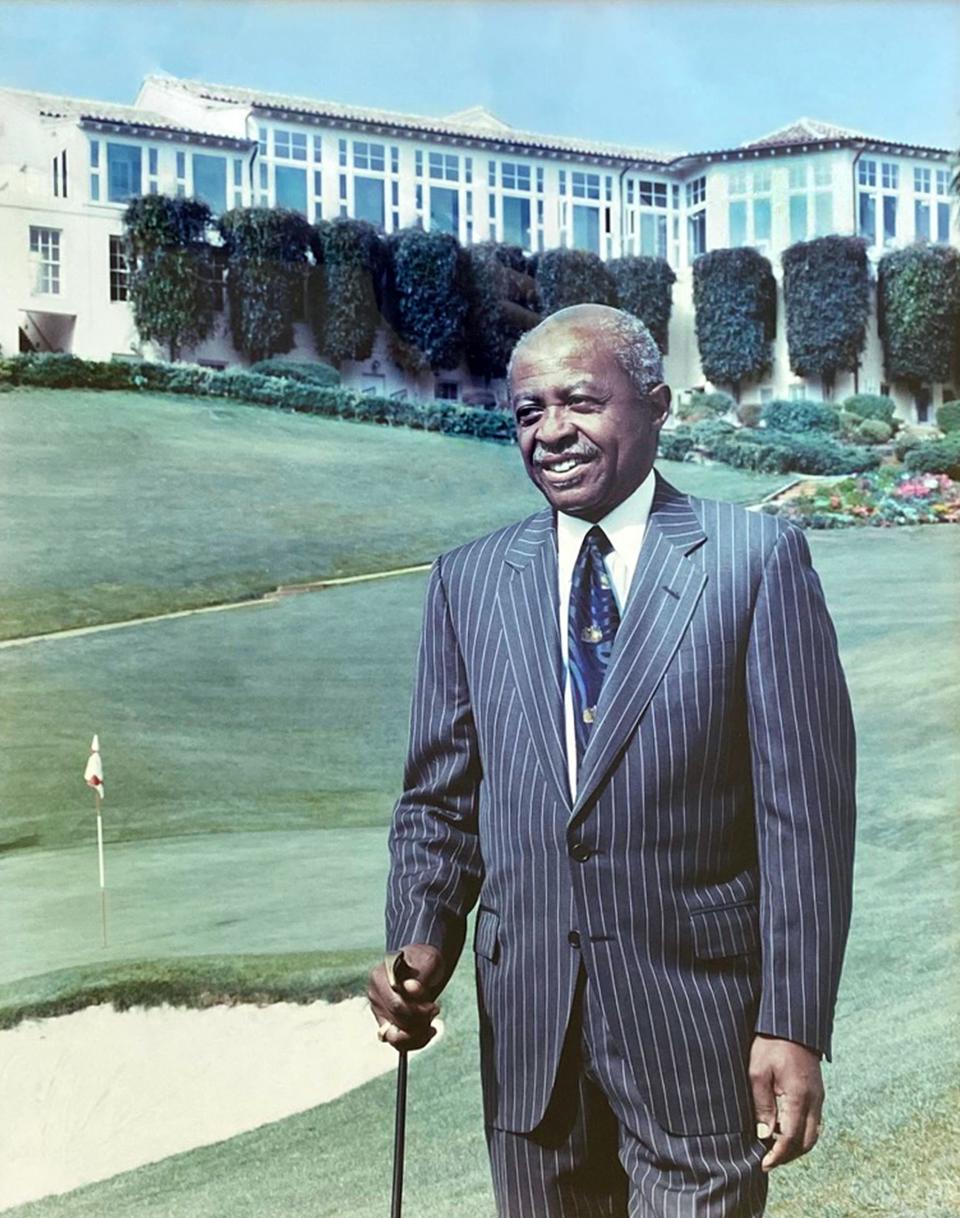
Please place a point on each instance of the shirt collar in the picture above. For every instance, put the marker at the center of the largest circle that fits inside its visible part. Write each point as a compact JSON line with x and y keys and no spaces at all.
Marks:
{"x":624,"y":526}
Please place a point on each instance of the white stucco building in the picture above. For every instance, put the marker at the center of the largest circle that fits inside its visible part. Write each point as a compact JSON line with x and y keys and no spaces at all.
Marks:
{"x":69,"y":166}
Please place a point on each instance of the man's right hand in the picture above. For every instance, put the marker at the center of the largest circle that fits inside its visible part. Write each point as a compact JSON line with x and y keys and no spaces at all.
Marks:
{"x":406,"y":1010}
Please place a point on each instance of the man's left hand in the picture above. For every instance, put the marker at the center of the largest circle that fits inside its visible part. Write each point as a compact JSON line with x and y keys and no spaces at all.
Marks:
{"x":788,"y":1097}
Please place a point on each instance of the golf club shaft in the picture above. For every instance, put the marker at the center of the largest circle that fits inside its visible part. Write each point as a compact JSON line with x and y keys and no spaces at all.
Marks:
{"x":399,"y":1135}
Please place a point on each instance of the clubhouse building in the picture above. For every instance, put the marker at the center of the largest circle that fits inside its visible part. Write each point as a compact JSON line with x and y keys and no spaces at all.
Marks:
{"x":68,"y":167}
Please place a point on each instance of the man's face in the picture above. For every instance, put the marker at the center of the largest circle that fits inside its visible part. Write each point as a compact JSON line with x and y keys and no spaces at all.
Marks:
{"x":586,"y":438}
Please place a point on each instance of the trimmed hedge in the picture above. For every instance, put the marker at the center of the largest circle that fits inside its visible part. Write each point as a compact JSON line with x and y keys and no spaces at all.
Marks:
{"x":826,"y":293}
{"x":568,"y":277}
{"x":948,"y":416}
{"x":870,"y":406}
{"x":768,"y":451}
{"x":705,"y":406}
{"x":783,"y":415}
{"x":68,"y":371}
{"x":645,"y":288}
{"x":735,"y":306}
{"x":872,"y":431}
{"x":312,"y":372}
{"x":935,"y":457}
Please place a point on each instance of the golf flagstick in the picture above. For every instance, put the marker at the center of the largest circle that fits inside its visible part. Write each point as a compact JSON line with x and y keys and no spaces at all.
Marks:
{"x":397,"y":972}
{"x":93,"y":777}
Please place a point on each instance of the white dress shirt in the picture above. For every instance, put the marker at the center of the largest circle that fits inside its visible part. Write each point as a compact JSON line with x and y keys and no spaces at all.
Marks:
{"x":625,"y":527}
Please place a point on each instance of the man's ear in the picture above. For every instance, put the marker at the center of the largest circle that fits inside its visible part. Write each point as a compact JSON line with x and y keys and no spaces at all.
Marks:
{"x":660,"y":403}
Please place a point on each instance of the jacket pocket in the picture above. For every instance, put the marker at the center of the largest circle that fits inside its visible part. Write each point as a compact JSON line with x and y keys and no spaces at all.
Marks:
{"x":486,"y":933}
{"x":730,"y":930}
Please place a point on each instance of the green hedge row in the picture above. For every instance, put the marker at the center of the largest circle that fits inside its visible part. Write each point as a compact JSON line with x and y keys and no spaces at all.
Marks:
{"x":768,"y":451}
{"x":71,"y":372}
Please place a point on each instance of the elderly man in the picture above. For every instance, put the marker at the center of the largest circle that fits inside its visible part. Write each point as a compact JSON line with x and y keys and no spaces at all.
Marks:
{"x":631,"y":742}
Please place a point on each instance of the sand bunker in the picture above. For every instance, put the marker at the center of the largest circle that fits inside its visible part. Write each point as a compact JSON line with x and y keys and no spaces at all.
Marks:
{"x":101,"y":1091}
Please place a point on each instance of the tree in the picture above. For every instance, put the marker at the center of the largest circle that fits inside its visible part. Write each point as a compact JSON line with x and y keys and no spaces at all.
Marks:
{"x":644,"y":288}
{"x":171,"y":267}
{"x":826,"y":291}
{"x":501,"y":295}
{"x":266,"y":261}
{"x":572,"y":277}
{"x":427,"y":298}
{"x":735,"y":302}
{"x":918,"y":312}
{"x":346,"y":287}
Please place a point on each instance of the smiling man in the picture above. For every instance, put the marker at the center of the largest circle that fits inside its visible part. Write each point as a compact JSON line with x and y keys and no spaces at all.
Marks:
{"x":631,"y":744}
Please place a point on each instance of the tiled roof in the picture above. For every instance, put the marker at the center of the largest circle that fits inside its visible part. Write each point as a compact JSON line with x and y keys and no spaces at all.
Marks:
{"x":472,"y":124}
{"x":809,"y":131}
{"x":51,"y":105}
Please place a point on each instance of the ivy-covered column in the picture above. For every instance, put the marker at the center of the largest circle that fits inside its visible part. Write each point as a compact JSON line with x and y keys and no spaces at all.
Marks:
{"x":645,"y":288}
{"x":918,"y":313}
{"x":735,"y":302}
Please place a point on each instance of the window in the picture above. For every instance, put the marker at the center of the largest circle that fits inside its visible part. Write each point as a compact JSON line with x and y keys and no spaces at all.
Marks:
{"x":652,"y":194}
{"x":94,"y":170}
{"x":867,"y":173}
{"x":889,"y":219}
{"x":124,"y":172}
{"x":823,"y":214}
{"x":445,"y":166}
{"x":290,"y":145}
{"x":798,"y":392}
{"x":444,"y":209}
{"x":798,"y":217}
{"x":889,"y":176}
{"x":291,"y":188}
{"x":418,"y":162}
{"x":696,"y":235}
{"x":761,"y":222}
{"x":342,"y":152}
{"x":943,"y":181}
{"x":696,"y":192}
{"x":922,"y":399}
{"x":394,"y":159}
{"x":182,"y":174}
{"x":119,"y":271}
{"x":210,"y":181}
{"x":738,"y":222}
{"x":368,"y":200}
{"x":318,"y":147}
{"x":867,"y":219}
{"x":921,"y":181}
{"x":762,"y":179}
{"x":369,"y":156}
{"x":60,"y":175}
{"x":943,"y":223}
{"x":447,"y":391}
{"x":491,"y":173}
{"x":737,"y":182}
{"x":798,"y":176}
{"x":586,"y":226}
{"x":921,"y":219}
{"x":822,"y":173}
{"x":516,"y":221}
{"x":45,"y":256}
{"x":515,"y":177}
{"x":262,"y":141}
{"x":653,"y":235}
{"x":585,"y":186}
{"x":539,"y":179}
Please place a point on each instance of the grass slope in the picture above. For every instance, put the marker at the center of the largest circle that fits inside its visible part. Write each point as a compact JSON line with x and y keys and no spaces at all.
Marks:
{"x":120,"y":505}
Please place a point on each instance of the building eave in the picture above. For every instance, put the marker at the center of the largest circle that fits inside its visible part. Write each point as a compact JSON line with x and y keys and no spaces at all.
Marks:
{"x":156,"y":131}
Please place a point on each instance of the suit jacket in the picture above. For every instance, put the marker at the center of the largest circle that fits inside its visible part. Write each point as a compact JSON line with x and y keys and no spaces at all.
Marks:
{"x":706,"y":861}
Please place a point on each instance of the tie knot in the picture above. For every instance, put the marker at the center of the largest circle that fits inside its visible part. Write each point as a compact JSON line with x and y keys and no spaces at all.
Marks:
{"x":598,"y":539}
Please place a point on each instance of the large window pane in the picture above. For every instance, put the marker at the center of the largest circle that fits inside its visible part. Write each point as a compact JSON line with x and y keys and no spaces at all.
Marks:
{"x":823,"y":205}
{"x":123,"y":172}
{"x":516,"y":221}
{"x":798,"y":217}
{"x":696,"y":235}
{"x":368,"y":201}
{"x":867,"y":226}
{"x":444,"y":210}
{"x":761,"y":220}
{"x":943,"y":222}
{"x":586,"y":228}
{"x":210,"y":181}
{"x":889,"y":219}
{"x":738,"y":223}
{"x":653,"y":235}
{"x":291,"y":187}
{"x":921,"y":219}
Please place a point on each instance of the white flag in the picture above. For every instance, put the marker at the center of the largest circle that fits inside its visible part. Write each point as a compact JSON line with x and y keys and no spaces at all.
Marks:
{"x":93,"y":774}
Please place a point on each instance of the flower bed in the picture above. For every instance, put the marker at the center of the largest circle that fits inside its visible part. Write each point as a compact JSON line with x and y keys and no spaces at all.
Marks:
{"x":884,"y":497}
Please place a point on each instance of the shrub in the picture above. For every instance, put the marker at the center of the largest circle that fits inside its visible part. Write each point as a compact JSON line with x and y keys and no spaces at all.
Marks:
{"x":571,"y":277}
{"x":912,"y":434}
{"x":811,"y":453}
{"x":705,"y":406}
{"x":948,"y":417}
{"x":935,"y":457}
{"x":918,"y":312}
{"x":870,"y":406}
{"x":826,"y":295}
{"x":345,"y":288}
{"x":675,"y":444}
{"x":848,"y":422}
{"x":735,"y":300}
{"x":750,"y":413}
{"x":872,"y":431}
{"x":428,"y":306}
{"x":644,"y":288}
{"x":313,"y":372}
{"x":795,"y":416}
{"x":501,"y":294}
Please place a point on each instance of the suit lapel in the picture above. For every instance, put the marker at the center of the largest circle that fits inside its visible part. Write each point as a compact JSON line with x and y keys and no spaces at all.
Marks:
{"x":665,"y":590}
{"x":528,"y":603}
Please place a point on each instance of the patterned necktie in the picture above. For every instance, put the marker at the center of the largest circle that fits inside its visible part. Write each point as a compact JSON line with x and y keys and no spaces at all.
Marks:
{"x":594,"y":619}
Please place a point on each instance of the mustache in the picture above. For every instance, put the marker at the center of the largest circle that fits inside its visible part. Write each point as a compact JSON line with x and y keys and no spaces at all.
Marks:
{"x":579,"y":448}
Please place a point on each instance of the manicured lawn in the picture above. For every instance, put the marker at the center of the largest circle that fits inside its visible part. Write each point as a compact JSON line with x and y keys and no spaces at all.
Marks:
{"x":252,"y":759}
{"x":120,"y":505}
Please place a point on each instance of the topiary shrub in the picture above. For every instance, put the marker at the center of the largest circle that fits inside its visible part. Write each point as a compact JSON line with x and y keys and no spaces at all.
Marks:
{"x":826,"y":295}
{"x":705,"y":406}
{"x":918,"y":312}
{"x":948,"y":416}
{"x":644,"y":287}
{"x":501,"y":295}
{"x":813,"y":453}
{"x":346,"y":288}
{"x":912,"y":434}
{"x":935,"y":457}
{"x":428,"y":284}
{"x":571,"y":277}
{"x":801,"y":415}
{"x":735,"y":300}
{"x":872,"y":431}
{"x":849,"y":422}
{"x":675,"y":444}
{"x":870,"y":406}
{"x":750,"y":413}
{"x":313,"y":373}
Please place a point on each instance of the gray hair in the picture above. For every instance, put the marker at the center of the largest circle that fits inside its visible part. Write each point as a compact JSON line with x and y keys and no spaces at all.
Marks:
{"x":628,"y":338}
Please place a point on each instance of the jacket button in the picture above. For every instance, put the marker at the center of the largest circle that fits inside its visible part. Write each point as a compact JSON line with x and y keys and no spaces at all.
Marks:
{"x":573,"y":938}
{"x":580,"y":852}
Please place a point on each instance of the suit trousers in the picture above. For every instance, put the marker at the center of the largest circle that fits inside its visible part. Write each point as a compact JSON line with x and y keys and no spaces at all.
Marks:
{"x":584,"y":1161}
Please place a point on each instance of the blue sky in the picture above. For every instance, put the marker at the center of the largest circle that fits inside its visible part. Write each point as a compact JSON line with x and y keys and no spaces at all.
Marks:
{"x":683,"y":75}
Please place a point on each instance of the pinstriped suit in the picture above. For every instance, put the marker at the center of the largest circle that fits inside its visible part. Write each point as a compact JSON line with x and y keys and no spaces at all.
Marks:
{"x":706,"y":860}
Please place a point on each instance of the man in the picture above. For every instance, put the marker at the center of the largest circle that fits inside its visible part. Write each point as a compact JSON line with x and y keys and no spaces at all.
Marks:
{"x":631,"y":741}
